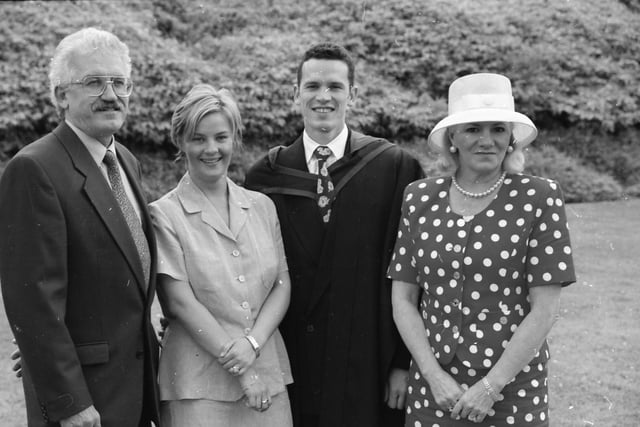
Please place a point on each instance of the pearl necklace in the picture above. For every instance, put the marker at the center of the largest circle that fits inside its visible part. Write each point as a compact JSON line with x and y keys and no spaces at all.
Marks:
{"x":479,"y":195}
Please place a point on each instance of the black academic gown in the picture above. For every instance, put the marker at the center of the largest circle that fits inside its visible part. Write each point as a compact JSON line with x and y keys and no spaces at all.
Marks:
{"x":339,"y":330}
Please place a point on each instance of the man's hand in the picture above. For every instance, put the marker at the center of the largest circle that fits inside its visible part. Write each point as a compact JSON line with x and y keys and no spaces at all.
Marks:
{"x":395,"y":391}
{"x":86,"y":418}
{"x":17,"y":368}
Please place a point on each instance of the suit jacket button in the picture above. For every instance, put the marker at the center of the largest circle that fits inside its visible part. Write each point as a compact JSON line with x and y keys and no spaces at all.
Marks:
{"x":310,"y":328}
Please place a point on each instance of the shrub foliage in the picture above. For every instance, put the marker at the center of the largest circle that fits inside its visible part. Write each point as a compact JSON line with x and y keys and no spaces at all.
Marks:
{"x":574,"y":66}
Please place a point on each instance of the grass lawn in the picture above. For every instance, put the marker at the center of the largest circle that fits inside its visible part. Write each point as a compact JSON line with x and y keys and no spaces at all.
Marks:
{"x":595,"y":346}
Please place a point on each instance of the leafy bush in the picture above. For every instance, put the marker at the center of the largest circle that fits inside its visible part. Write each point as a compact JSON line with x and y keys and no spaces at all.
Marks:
{"x":571,"y":64}
{"x":579,"y":183}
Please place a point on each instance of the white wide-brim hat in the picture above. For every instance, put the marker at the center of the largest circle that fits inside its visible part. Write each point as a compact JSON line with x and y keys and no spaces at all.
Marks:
{"x":482,"y":97}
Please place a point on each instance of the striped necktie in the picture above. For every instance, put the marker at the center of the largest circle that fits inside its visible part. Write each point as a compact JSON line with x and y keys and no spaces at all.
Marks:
{"x":129,"y":213}
{"x":325,"y":186}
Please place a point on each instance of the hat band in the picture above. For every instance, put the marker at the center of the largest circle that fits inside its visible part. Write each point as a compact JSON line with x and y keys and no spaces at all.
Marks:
{"x":481,"y":101}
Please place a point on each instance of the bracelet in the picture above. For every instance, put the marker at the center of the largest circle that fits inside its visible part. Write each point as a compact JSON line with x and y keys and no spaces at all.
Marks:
{"x":490,"y":391}
{"x":254,"y":344}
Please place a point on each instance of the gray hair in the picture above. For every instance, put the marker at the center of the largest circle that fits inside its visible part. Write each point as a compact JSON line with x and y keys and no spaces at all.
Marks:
{"x":83,"y":42}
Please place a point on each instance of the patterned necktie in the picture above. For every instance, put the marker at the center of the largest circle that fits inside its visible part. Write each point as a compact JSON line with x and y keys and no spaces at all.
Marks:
{"x":325,"y":186}
{"x":129,"y":213}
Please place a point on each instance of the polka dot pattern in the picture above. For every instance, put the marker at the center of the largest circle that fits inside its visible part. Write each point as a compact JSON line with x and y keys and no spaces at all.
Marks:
{"x":475,"y":271}
{"x":524,"y":405}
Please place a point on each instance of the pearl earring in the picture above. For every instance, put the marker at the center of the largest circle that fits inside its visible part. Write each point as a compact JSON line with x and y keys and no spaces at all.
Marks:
{"x":452,"y":149}
{"x":510,"y":149}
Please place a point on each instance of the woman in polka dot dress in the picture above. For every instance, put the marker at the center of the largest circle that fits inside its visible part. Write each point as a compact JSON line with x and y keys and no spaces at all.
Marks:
{"x":478,"y":266}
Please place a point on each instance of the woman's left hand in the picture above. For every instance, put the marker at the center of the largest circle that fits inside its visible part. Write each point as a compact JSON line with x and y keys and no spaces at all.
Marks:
{"x":475,"y":404}
{"x":237,"y":356}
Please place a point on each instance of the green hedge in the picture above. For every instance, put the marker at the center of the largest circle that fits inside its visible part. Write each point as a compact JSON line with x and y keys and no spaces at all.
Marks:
{"x":571,"y":63}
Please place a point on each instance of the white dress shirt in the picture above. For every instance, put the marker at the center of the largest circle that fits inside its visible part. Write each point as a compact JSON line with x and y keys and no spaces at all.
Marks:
{"x":336,"y":145}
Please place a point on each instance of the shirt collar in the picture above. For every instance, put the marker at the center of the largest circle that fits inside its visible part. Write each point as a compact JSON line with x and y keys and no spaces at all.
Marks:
{"x":95,"y":147}
{"x":337,"y":145}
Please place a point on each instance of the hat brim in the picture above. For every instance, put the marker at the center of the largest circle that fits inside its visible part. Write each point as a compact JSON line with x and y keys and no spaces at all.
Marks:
{"x":524,"y":131}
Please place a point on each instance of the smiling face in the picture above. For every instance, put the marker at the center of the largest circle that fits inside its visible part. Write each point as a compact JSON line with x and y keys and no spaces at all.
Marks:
{"x":481,"y":146}
{"x":209,"y":151}
{"x":97,"y":116}
{"x":323,"y":96}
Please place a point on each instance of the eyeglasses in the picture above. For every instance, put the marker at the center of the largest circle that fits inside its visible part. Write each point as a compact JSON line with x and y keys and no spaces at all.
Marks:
{"x":96,"y":85}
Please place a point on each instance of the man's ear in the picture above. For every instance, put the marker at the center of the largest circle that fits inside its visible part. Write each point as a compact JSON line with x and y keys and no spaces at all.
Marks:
{"x":296,"y":94}
{"x":353,"y":94}
{"x":61,"y":97}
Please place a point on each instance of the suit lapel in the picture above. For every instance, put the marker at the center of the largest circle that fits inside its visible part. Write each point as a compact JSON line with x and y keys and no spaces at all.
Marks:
{"x":99,"y":193}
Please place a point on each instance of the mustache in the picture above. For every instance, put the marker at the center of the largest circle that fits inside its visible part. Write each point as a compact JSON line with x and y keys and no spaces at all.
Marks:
{"x":107,"y":106}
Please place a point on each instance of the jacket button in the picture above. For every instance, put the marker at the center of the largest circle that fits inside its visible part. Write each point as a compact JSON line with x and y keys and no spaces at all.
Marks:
{"x":310,"y":328}
{"x":235,"y":253}
{"x":456,"y":302}
{"x":245,"y":305}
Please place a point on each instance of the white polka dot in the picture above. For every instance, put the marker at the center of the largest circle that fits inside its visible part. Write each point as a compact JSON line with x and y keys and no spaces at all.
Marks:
{"x":439,"y":238}
{"x":535,"y":383}
{"x":417,"y":424}
{"x":562,"y":266}
{"x":486,"y":262}
{"x":475,"y":295}
{"x":426,"y":269}
{"x":486,"y":363}
{"x":478,"y":229}
{"x":549,"y":201}
{"x":435,"y":208}
{"x":439,"y":290}
{"x":502,"y":223}
{"x":477,"y":277}
{"x":534,"y":260}
{"x":531,"y":192}
{"x":473,"y":349}
{"x":528,"y":418}
{"x":510,"y":420}
{"x":522,"y":393}
{"x":527,"y":207}
{"x":441,"y":272}
{"x":434,"y":254}
{"x":543,"y":226}
{"x":450,"y":223}
{"x":477,"y":245}
{"x":422,"y":220}
{"x":513,"y":193}
{"x":472,"y":372}
{"x":504,"y":254}
{"x":567,"y":250}
{"x":424,"y":235}
{"x":442,"y":194}
{"x":515,"y":238}
{"x":398,"y":267}
{"x":495,"y":238}
{"x":536,"y":400}
{"x":520,"y":222}
{"x":502,"y":272}
{"x":420,"y":252}
{"x":546,"y":277}
{"x":467,"y":260}
{"x":439,"y":414}
{"x":412,"y":209}
{"x":436,"y":222}
{"x":548,"y":250}
{"x":497,"y":327}
{"x":462,"y":234}
{"x":488,"y":352}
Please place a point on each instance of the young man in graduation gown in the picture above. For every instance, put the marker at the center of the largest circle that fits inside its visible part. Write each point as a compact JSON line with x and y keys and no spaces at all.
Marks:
{"x":338,"y":195}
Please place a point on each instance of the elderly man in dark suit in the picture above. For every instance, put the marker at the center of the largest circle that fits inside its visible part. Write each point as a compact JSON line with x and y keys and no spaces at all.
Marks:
{"x":77,"y":254}
{"x":338,"y":195}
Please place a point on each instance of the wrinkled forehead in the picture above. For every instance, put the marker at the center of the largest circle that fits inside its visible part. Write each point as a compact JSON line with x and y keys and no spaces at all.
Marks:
{"x":97,"y":63}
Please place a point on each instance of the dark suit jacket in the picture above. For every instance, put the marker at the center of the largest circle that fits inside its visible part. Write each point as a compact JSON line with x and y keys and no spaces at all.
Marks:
{"x":339,"y":330}
{"x":73,"y":286}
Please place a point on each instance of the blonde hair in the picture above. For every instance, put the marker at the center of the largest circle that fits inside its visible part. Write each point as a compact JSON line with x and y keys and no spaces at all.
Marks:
{"x":201,"y":100}
{"x":86,"y":41}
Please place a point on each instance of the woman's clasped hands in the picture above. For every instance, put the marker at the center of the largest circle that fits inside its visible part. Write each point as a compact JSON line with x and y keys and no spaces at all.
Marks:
{"x":237,"y":356}
{"x":257,"y":395}
{"x":473,"y":403}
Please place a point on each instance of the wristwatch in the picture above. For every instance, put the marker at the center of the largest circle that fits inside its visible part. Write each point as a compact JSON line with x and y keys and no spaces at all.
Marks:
{"x":254,"y":344}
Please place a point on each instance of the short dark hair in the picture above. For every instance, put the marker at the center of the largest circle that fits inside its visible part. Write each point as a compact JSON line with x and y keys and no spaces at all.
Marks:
{"x":330,"y":51}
